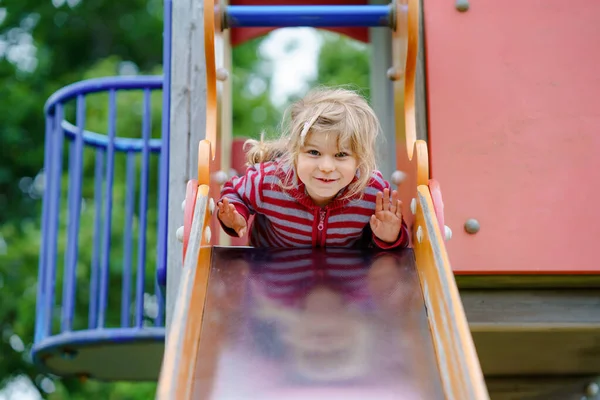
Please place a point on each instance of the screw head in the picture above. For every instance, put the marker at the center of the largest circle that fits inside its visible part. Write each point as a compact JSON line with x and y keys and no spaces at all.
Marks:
{"x":179,"y":233}
{"x":462,"y":5}
{"x":419,"y":234}
{"x":222,"y":74}
{"x":472,"y":226}
{"x":592,"y":389}
{"x":398,"y":177}
{"x":447,"y":232}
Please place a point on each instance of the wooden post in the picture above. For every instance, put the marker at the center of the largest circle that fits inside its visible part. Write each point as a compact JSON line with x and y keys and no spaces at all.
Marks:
{"x":225,"y":101}
{"x":382,"y":96}
{"x":187,"y":126}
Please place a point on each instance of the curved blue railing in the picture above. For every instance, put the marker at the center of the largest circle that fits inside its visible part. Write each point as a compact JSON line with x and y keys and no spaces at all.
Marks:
{"x":85,"y":244}
{"x":104,"y":84}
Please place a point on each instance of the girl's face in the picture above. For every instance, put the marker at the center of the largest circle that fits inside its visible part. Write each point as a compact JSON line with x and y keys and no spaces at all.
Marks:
{"x":324,"y":167}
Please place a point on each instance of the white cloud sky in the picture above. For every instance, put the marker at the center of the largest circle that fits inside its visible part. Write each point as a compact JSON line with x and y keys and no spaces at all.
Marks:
{"x":291,"y":69}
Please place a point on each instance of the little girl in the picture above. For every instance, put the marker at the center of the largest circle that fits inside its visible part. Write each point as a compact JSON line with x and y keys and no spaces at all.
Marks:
{"x":317,"y":185}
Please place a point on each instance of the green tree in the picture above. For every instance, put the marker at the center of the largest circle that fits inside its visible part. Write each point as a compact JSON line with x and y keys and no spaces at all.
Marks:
{"x":51,"y":43}
{"x":252,"y":108}
{"x":343,"y":61}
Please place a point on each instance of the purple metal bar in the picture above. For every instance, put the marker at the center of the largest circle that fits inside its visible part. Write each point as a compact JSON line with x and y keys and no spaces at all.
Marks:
{"x":95,"y":262}
{"x":141,"y":272}
{"x":101,"y":85}
{"x":100,"y":141}
{"x":51,"y":234}
{"x":159,"y":320}
{"x":163,"y":197}
{"x":42,"y":270}
{"x":127,"y":240}
{"x":110,"y":172}
{"x":75,"y":175}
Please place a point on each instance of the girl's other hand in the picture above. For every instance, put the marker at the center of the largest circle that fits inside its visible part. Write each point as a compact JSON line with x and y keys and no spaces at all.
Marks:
{"x":387,"y":220}
{"x":231,"y":218}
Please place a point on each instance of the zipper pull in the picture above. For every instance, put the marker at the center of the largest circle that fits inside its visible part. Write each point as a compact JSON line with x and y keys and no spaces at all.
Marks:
{"x":321,"y":220}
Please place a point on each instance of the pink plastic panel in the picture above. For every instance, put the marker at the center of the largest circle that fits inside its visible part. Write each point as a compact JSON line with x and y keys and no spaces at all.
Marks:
{"x":514,"y":132}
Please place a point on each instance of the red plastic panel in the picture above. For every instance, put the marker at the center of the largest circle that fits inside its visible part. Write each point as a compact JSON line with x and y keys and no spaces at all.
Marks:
{"x":514,"y":130}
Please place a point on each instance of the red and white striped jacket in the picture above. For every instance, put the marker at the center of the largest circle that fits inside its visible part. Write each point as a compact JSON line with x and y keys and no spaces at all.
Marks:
{"x":289,"y":217}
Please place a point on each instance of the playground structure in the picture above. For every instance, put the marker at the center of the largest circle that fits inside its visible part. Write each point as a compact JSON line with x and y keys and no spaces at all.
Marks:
{"x":511,"y":295}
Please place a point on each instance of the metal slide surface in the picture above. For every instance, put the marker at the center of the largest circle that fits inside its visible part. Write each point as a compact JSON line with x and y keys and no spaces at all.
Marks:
{"x":314,"y":323}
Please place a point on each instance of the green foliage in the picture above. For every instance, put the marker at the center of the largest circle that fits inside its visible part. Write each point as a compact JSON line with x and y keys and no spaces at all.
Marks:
{"x":252,"y":108}
{"x":18,"y":267}
{"x":343,"y":62}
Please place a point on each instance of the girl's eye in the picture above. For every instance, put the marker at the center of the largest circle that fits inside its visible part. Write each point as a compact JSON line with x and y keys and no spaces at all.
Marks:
{"x":342,"y":154}
{"x":313,"y":152}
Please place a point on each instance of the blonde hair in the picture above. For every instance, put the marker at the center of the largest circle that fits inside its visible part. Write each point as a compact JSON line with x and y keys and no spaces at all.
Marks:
{"x":324,"y":111}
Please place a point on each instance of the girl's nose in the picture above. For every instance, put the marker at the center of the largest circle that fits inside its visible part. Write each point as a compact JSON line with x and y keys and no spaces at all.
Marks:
{"x":326,"y":165}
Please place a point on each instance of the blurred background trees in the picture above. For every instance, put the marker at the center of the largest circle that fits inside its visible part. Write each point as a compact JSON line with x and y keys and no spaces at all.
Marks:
{"x":47,"y":44}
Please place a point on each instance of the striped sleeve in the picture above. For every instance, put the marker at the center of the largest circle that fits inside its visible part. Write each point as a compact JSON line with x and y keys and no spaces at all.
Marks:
{"x":244,"y":193}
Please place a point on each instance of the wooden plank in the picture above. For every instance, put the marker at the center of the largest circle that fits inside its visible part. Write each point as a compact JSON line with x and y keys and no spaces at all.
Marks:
{"x":535,"y":331}
{"x":532,"y":306}
{"x":527,"y":281}
{"x":461,"y":373}
{"x":547,"y":350}
{"x":543,"y":388}
{"x":188,"y":90}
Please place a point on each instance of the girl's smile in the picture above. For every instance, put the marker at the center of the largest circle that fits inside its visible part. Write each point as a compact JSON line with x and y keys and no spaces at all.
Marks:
{"x":326,"y":167}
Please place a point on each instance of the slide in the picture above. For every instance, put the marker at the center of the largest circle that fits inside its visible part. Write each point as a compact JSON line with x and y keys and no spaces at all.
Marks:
{"x":329,"y":323}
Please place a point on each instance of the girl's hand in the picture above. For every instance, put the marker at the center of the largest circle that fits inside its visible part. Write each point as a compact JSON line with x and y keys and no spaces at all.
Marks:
{"x":231,"y":218}
{"x":387,"y":220}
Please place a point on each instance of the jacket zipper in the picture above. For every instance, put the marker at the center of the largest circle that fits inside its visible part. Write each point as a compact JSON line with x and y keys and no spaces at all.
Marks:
{"x":320,"y":227}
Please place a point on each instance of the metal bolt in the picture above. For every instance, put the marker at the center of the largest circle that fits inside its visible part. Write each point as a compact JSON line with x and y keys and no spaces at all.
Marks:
{"x":447,"y":232}
{"x":394,"y":74}
{"x":207,"y":234}
{"x":413,"y":206}
{"x":183,"y":205}
{"x":179,"y":233}
{"x":220,"y":177}
{"x":419,"y":234}
{"x":222,"y":74}
{"x":211,"y":206}
{"x":472,"y":226}
{"x":398,"y":177}
{"x":462,"y":5}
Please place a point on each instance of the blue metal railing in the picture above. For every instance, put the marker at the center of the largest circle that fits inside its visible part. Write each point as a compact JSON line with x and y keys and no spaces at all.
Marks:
{"x":309,"y":15}
{"x":100,"y":152}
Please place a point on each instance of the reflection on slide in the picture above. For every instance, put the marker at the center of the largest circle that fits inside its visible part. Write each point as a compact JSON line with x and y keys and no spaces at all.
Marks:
{"x":306,"y":323}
